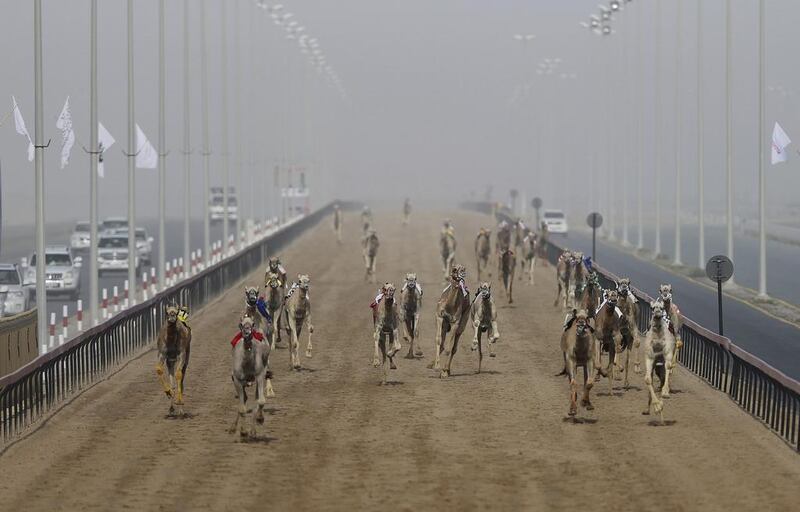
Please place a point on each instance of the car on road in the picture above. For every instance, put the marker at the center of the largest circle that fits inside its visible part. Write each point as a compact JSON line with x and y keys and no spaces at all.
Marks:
{"x":62,"y":271}
{"x":81,"y":237}
{"x":112,"y":223}
{"x":112,"y":252}
{"x":144,"y":243}
{"x":216,"y":204}
{"x":14,"y":297}
{"x":556,"y":222}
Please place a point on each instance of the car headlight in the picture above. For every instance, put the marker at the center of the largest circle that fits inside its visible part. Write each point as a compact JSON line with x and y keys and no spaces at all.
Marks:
{"x":15,"y":295}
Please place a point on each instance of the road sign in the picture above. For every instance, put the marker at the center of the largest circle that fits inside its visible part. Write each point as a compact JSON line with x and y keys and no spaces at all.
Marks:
{"x":719,"y":269}
{"x":594,"y":220}
{"x":536,"y":202}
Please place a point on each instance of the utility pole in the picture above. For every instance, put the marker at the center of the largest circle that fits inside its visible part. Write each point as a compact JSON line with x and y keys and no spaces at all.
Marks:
{"x":162,"y":152}
{"x":187,"y":162}
{"x":206,"y":148}
{"x":132,"y":150}
{"x":728,"y":132}
{"x":701,"y":215}
{"x":762,"y":179}
{"x":226,"y":169}
{"x":678,"y":132}
{"x":657,"y":64}
{"x":94,"y":158}
{"x":41,"y":292}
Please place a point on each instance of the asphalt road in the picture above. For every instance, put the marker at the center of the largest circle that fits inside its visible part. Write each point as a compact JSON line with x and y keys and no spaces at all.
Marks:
{"x":334,"y":439}
{"x":783,"y":280}
{"x":774,"y":341}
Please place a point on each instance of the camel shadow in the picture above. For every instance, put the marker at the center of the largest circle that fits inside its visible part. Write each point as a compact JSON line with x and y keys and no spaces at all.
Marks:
{"x":184,"y":416}
{"x":392,"y":383}
{"x":489,"y":372}
{"x":579,"y":421}
{"x":257,"y":439}
{"x":606,"y":393}
{"x":271,"y":410}
{"x":303,"y":369}
{"x":657,"y":423}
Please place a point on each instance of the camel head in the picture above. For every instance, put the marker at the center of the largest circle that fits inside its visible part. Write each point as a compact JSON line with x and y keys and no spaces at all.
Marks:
{"x":624,"y":287}
{"x":665,"y":292}
{"x":274,"y":280}
{"x":251,"y":295}
{"x":411,"y":280}
{"x":566,"y":256}
{"x":485,"y":290}
{"x":458,"y":273}
{"x":274,"y":264}
{"x":303,"y":282}
{"x":581,"y":321}
{"x":659,"y":314}
{"x":246,"y":326}
{"x":388,"y":292}
{"x":611,"y":296}
{"x":172,"y":314}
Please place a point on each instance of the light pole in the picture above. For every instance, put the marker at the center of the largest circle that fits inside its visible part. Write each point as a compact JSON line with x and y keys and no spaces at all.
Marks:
{"x":657,"y":248}
{"x":132,"y":150}
{"x":728,"y":133}
{"x":187,"y":151}
{"x":524,"y":39}
{"x":41,"y":291}
{"x":762,"y":181}
{"x":678,"y":126}
{"x":162,"y":148}
{"x":639,"y":81}
{"x":225,"y":151}
{"x":700,"y":143}
{"x":206,"y":148}
{"x":94,"y":156}
{"x":237,"y":122}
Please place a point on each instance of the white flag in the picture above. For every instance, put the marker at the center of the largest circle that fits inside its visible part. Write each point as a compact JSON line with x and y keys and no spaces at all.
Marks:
{"x":19,"y":123}
{"x":146,"y":156}
{"x":105,"y":141}
{"x":779,"y":142}
{"x":64,"y":123}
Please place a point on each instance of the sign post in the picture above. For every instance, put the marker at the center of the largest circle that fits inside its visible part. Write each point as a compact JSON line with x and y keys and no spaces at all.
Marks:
{"x":536,"y":202}
{"x":594,"y":220}
{"x":719,"y":269}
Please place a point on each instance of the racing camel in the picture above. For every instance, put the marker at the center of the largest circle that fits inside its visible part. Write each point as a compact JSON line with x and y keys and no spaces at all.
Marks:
{"x":609,"y":326}
{"x":371,"y":245}
{"x":173,"y":346}
{"x":675,"y":318}
{"x":275,"y":266}
{"x":563,"y":271}
{"x":528,"y":261}
{"x":502,"y":243}
{"x":250,"y":366}
{"x":629,"y":306}
{"x":452,"y":315}
{"x":410,"y":306}
{"x":659,"y":354}
{"x":447,"y":246}
{"x":297,"y":312}
{"x":386,"y":322}
{"x":579,"y":347}
{"x":274,"y":303}
{"x":406,"y":211}
{"x":337,"y":223}
{"x":508,"y":265}
{"x":483,"y":250}
{"x":484,"y":320}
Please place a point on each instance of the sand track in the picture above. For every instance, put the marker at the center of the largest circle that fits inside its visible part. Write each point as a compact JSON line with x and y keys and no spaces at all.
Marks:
{"x":334,"y":439}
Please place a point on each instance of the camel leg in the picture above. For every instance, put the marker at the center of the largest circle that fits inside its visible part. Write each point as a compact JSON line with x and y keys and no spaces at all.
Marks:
{"x":450,"y":350}
{"x":309,"y":348}
{"x":626,"y":383}
{"x":610,"y":369}
{"x":511,"y":287}
{"x":384,"y":370}
{"x":408,"y":335}
{"x":652,"y":399}
{"x":396,"y":346}
{"x":160,"y":367}
{"x":417,"y":350}
{"x":437,"y":342}
{"x":573,"y":386}
{"x":669,"y":358}
{"x":588,"y":383}
{"x":242,"y":409}
{"x":678,"y":345}
{"x":377,"y":339}
{"x":258,"y":414}
{"x":179,"y":374}
{"x":294,"y":349}
{"x":480,"y":350}
{"x":476,"y":338}
{"x":637,"y":369}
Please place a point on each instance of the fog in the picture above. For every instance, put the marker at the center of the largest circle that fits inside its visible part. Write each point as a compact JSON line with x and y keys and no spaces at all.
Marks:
{"x":440,"y":102}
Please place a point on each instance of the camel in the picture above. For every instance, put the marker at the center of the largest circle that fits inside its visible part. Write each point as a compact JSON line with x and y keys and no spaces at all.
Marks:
{"x":297,"y":311}
{"x":406,"y":211}
{"x":579,"y":346}
{"x":544,"y":235}
{"x":250,"y":366}
{"x":576,"y":278}
{"x":366,"y":219}
{"x":274,"y":303}
{"x":528,"y":261}
{"x":484,"y":320}
{"x":609,"y":324}
{"x":452,"y":314}
{"x":502,"y":243}
{"x":483,"y":250}
{"x":337,"y":223}
{"x":589,"y":294}
{"x":447,"y":246}
{"x":629,"y":306}
{"x":410,"y":306}
{"x":675,"y":318}
{"x":659,"y":354}
{"x":371,"y":245}
{"x":508,"y":265}
{"x":386,"y":322}
{"x":563,"y":271}
{"x":173,"y":346}
{"x":276,"y":267}
{"x":254,"y":307}
{"x":519,"y":233}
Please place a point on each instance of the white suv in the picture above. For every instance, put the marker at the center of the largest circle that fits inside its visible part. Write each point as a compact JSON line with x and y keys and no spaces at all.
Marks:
{"x":62,"y":271}
{"x":556,"y":222}
{"x":112,"y":253}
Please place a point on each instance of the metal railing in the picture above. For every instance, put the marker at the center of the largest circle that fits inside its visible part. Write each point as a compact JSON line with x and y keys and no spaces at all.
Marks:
{"x":18,"y":344}
{"x":37,"y":387}
{"x":764,"y":392}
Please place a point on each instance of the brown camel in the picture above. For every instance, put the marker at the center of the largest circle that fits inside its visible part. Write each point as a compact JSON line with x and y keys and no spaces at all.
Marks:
{"x":629,"y":306}
{"x":410,"y":306}
{"x":483,"y":250}
{"x":609,"y":324}
{"x":502,"y":243}
{"x":659,"y":353}
{"x":579,"y":347}
{"x":386,"y":322}
{"x":528,"y":261}
{"x":675,"y":318}
{"x":173,"y":346}
{"x":484,"y":320}
{"x":508,"y":265}
{"x":274,"y":301}
{"x":297,"y":311}
{"x":452,"y":315}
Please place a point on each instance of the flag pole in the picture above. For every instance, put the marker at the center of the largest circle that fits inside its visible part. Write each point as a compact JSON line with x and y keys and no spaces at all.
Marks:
{"x":94,"y":157}
{"x":678,"y":131}
{"x":762,"y":183}
{"x":162,"y":145}
{"x":237,"y":124}
{"x":728,"y":133}
{"x":187,"y":196}
{"x":701,"y":221}
{"x":41,"y":292}
{"x":131,"y":165}
{"x":225,"y":152}
{"x":657,"y":64}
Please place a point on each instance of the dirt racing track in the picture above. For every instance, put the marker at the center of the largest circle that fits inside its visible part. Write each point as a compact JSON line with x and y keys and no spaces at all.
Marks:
{"x":335,"y":439}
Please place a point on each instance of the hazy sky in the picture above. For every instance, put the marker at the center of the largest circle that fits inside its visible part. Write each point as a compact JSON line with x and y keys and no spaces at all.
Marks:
{"x":429,"y":110}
